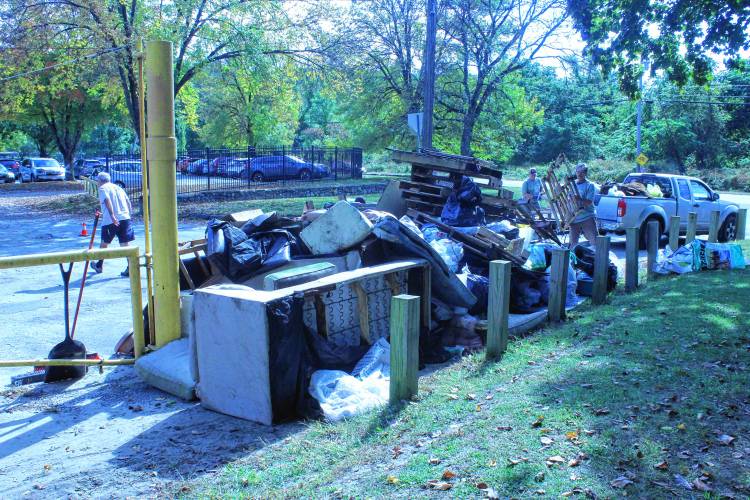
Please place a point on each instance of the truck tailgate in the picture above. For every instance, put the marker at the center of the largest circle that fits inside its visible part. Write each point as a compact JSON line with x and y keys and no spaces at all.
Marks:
{"x":606,"y":213}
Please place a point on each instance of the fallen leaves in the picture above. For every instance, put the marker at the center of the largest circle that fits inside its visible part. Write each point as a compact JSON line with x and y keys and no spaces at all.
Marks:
{"x":434,"y":461}
{"x":554,"y":460}
{"x":663,"y":465}
{"x":601,"y":411}
{"x":726,"y":439}
{"x":620,"y":482}
{"x":513,"y":461}
{"x":504,"y":428}
{"x":538,"y":422}
{"x":546,"y":441}
{"x":391,"y":479}
{"x":434,"y":484}
{"x":571,"y":435}
{"x":448,"y":475}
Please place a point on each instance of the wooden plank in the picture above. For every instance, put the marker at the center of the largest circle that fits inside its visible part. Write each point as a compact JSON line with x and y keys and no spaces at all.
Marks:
{"x":741,"y":223}
{"x":713,"y":227}
{"x":404,"y":326}
{"x":465,"y":165}
{"x":419,"y":281}
{"x":392,"y":282}
{"x":364,"y":312}
{"x":426,"y":188}
{"x":691,"y":227}
{"x":424,"y":207}
{"x":425,"y":173}
{"x":631,"y":258}
{"x":652,"y":242}
{"x":558,"y":284}
{"x":498,"y":308}
{"x":321,"y":321}
{"x":420,"y":196}
{"x":674,"y":232}
{"x":601,"y":270}
{"x":186,"y":274}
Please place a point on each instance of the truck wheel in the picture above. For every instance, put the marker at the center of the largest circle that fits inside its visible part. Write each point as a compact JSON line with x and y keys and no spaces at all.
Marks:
{"x":643,"y":237}
{"x":728,"y":231}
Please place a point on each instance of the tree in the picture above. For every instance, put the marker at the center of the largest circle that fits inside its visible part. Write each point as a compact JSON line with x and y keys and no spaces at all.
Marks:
{"x":488,"y":40}
{"x":676,"y":35}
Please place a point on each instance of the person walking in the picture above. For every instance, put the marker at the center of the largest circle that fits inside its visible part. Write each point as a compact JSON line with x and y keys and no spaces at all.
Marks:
{"x":585,"y":219}
{"x":531,"y":190}
{"x":115,"y":209}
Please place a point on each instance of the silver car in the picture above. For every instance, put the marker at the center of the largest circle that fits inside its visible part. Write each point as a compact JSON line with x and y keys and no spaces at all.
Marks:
{"x":41,"y":169}
{"x":126,"y":174}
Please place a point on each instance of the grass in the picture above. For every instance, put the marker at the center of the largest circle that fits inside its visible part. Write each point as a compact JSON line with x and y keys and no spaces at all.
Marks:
{"x":619,"y":400}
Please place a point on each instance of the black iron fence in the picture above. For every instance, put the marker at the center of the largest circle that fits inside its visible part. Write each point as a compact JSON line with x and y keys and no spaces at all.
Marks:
{"x":226,"y":169}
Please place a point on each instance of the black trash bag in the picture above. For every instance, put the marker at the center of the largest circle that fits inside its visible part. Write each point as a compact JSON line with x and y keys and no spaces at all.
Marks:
{"x":462,"y":207}
{"x":529,"y":291}
{"x":480,"y":286}
{"x":289,"y":361}
{"x":326,"y":355}
{"x":240,"y":257}
{"x":195,"y":270}
{"x":263,"y":222}
{"x":585,"y":262}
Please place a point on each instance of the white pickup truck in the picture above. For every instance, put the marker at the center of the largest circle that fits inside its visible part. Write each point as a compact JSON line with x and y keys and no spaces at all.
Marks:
{"x":682,"y":195}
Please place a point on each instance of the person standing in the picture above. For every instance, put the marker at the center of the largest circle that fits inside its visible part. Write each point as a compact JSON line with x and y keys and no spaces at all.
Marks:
{"x":531,"y":190}
{"x":115,"y":209}
{"x":585,"y":218}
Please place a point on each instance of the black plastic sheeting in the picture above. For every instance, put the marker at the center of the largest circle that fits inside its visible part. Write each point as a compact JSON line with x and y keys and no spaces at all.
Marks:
{"x":239,"y":256}
{"x":294,"y":354}
{"x":585,"y":262}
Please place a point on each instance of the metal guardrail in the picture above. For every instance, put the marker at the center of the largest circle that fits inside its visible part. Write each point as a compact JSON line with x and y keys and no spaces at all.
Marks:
{"x":130,"y":253}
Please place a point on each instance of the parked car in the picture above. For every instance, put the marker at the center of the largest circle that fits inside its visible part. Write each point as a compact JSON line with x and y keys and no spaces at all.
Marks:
{"x":41,"y":169}
{"x":14,"y":166}
{"x":218,"y":165}
{"x":6,"y":176}
{"x":183,"y":163}
{"x":9,"y":155}
{"x":126,"y":174}
{"x":87,"y":168}
{"x":197,"y":167}
{"x":265,"y":168}
{"x":682,"y":195}
{"x":236,"y":168}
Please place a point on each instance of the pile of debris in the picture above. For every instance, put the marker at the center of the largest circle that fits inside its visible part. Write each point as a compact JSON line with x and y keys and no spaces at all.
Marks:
{"x":324,"y":282}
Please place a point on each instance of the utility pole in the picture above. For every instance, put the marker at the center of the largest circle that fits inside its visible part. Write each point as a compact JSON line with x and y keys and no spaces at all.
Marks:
{"x":639,"y":115}
{"x":429,"y":74}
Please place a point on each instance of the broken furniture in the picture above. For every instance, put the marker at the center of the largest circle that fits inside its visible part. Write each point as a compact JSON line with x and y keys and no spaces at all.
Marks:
{"x":235,"y":342}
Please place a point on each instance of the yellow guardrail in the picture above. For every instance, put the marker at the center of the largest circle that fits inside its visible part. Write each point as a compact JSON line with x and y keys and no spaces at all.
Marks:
{"x":130,"y":253}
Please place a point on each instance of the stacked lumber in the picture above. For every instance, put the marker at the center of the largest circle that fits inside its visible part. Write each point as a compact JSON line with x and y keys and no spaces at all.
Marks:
{"x":433,"y":175}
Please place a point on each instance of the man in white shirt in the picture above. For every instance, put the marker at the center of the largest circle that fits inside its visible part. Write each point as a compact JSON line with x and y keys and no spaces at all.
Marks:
{"x":115,"y":208}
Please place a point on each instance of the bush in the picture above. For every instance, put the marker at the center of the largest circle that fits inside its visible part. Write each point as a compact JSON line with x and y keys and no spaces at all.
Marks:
{"x":380,"y":162}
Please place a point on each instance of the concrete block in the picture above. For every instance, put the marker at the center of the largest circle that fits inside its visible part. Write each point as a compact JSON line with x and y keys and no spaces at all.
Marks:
{"x":343,"y":226}
{"x":231,"y":329}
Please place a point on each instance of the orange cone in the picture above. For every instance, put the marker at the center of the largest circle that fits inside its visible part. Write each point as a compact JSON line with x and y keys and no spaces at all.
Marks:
{"x":84,"y":232}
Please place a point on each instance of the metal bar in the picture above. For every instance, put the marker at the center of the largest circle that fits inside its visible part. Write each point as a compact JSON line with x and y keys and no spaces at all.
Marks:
{"x":44,"y":259}
{"x":162,"y":148}
{"x":66,"y":362}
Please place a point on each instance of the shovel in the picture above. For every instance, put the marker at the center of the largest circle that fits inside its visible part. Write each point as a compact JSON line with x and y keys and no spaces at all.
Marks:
{"x":68,"y":348}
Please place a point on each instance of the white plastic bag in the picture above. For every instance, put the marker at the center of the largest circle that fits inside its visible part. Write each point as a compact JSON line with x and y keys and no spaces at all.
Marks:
{"x":406,"y":221}
{"x":340,"y":395}
{"x":377,"y":359}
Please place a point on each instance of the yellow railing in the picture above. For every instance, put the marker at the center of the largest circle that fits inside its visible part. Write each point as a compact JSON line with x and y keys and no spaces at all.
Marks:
{"x":90,"y":187}
{"x":130,"y":253}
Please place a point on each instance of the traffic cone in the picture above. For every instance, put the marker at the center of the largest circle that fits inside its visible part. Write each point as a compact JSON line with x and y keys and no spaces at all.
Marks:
{"x":84,"y":232}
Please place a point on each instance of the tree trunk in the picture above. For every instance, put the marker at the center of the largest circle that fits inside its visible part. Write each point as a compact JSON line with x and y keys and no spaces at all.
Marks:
{"x":467,"y":132}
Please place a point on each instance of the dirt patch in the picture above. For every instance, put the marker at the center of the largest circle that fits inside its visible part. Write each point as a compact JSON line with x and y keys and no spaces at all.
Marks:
{"x":111,"y":435}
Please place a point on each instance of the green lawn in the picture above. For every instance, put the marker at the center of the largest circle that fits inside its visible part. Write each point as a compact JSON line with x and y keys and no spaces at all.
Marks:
{"x":631,"y":397}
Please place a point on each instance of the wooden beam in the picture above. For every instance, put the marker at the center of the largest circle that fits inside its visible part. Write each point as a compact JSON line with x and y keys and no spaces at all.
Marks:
{"x":601,"y":270}
{"x":558,"y":284}
{"x":404,"y":347}
{"x":652,"y":242}
{"x":674,"y":232}
{"x":321,"y":321}
{"x":691,"y":227}
{"x":631,"y":258}
{"x":713,"y":227}
{"x":364,"y":312}
{"x":498,"y":305}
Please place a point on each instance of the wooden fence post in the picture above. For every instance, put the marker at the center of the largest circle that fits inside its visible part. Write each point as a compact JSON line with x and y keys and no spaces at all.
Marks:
{"x":713,"y":228}
{"x":404,"y":347}
{"x":631,"y":258}
{"x":558,"y":284}
{"x":498,"y":307}
{"x":652,"y":242}
{"x":691,"y":227}
{"x":741,"y":223}
{"x":601,"y":269}
{"x":674,"y":232}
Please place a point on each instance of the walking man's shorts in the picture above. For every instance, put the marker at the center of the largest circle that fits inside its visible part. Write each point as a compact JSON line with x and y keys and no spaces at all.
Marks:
{"x":124,"y":232}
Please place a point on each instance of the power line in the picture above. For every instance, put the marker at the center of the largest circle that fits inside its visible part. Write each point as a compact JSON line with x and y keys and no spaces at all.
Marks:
{"x":64,"y":63}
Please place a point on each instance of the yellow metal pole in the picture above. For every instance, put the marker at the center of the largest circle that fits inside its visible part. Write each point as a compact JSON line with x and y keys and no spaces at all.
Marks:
{"x":136,"y":304}
{"x":145,"y":191}
{"x":66,"y":362}
{"x":162,"y":154}
{"x":45,"y":259}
